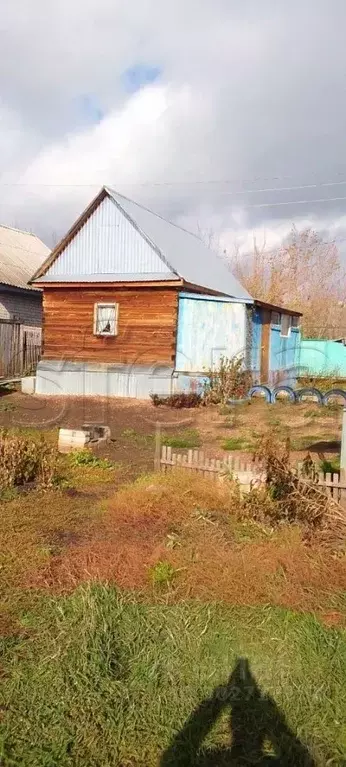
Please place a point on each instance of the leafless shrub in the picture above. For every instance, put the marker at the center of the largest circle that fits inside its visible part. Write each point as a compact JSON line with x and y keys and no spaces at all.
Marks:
{"x":24,"y":460}
{"x":295,"y":499}
{"x":228,"y":381}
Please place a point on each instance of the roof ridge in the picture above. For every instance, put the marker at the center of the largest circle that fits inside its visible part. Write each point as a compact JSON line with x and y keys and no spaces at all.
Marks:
{"x":20,"y":231}
{"x":148,"y":210}
{"x":113,"y":194}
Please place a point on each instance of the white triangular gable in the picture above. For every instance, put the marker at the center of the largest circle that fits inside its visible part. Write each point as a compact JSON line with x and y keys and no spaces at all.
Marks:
{"x":107,"y":246}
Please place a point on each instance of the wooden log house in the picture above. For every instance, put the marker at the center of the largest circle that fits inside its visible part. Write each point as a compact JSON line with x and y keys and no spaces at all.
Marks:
{"x":134,"y":304}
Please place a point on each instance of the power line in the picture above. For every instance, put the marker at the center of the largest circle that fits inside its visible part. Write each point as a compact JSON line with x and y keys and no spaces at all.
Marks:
{"x":206,"y":182}
{"x":293,"y":202}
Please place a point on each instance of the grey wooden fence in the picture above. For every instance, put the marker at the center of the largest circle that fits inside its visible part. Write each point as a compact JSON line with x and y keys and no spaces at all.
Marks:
{"x":20,"y":349}
{"x":248,"y":473}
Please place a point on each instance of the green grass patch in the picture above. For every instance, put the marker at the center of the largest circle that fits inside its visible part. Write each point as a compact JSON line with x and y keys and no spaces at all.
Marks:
{"x":330,"y":466}
{"x":186,"y":439}
{"x":236,"y":443}
{"x":102,"y":679}
{"x":140,"y":440}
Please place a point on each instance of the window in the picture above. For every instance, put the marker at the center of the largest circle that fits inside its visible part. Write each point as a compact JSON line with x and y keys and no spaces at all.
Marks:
{"x":276,"y":318}
{"x":105,"y":319}
{"x":295,"y":322}
{"x":285,"y":324}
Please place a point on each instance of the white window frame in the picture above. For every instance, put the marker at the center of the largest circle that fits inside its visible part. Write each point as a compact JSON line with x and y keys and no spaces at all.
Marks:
{"x":108,"y":304}
{"x":289,"y":320}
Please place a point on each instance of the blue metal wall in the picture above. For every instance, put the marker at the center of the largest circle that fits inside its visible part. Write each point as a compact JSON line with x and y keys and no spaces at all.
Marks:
{"x":208,"y":327}
{"x":284,"y":353}
{"x":256,"y":342}
{"x":322,"y":357}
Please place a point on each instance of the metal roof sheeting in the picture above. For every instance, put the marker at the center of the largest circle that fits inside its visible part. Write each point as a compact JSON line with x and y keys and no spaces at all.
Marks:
{"x":184,"y":252}
{"x":21,"y":253}
{"x":118,"y":236}
{"x":108,"y":247}
{"x":113,"y":277}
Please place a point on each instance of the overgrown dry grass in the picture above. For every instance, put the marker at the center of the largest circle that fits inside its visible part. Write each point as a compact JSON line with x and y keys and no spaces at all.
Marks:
{"x":199,"y":528}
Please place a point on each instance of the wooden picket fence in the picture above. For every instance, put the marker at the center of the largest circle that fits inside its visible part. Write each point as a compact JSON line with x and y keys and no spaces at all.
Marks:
{"x":248,"y":473}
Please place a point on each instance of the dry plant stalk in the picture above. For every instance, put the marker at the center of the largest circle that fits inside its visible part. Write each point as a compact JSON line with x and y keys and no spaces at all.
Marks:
{"x":298,"y":499}
{"x":24,"y":460}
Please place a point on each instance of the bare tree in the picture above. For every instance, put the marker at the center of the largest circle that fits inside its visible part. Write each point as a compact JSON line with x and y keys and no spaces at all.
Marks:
{"x":305,"y":273}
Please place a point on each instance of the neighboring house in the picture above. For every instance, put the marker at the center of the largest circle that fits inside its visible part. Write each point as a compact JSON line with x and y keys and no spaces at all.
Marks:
{"x":20,"y":303}
{"x":134,"y":304}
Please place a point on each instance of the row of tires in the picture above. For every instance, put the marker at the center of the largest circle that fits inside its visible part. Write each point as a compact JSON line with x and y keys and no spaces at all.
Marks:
{"x":293,"y":395}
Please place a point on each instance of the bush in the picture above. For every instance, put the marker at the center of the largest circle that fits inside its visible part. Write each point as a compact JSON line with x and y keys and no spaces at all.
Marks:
{"x":322,"y":382}
{"x":229,"y":381}
{"x":182,"y":399}
{"x":24,"y":460}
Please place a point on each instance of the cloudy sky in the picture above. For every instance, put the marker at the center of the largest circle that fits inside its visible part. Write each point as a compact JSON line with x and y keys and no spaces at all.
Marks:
{"x":224,"y":115}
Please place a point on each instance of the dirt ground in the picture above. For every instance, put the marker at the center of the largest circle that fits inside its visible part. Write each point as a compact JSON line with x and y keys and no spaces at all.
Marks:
{"x":133,"y":423}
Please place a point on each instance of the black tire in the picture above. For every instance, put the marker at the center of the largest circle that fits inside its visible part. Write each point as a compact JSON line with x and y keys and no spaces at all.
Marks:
{"x":261,"y":388}
{"x":287,"y":389}
{"x":334,"y":393}
{"x":309,"y":390}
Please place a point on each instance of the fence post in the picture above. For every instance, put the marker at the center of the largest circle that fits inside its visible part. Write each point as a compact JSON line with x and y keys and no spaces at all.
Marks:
{"x":343,"y":443}
{"x":157,"y":458}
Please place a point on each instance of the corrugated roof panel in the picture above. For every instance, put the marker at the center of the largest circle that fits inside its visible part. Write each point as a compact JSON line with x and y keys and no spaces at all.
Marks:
{"x":185,"y":252}
{"x":107,"y":247}
{"x":118,"y":277}
{"x":21,"y":253}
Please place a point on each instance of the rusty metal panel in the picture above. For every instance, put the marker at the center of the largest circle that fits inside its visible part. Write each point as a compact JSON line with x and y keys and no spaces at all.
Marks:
{"x":108,"y":246}
{"x":207,"y":330}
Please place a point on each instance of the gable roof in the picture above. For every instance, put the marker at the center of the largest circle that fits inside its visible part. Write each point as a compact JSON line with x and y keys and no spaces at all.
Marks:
{"x":20,"y":253}
{"x":164,"y":251}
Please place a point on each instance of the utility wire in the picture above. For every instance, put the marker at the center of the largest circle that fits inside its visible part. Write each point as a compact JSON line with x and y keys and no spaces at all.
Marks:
{"x":207,"y":182}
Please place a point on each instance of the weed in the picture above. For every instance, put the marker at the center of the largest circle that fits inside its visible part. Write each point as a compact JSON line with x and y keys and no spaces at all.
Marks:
{"x":87,"y":458}
{"x":7,"y":406}
{"x":322,"y":382}
{"x":162,"y":574}
{"x":8,"y":494}
{"x":329,"y":467}
{"x":24,"y":461}
{"x":317,"y":412}
{"x":236,"y":443}
{"x":229,"y":381}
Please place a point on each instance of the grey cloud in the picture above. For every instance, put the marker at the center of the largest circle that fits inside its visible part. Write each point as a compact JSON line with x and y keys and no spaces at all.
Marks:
{"x":255,"y":94}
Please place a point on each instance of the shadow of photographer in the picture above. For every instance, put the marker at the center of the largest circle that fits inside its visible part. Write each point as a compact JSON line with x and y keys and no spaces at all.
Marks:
{"x":255,"y":721}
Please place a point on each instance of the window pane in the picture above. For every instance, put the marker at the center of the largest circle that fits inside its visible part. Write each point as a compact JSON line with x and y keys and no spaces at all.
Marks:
{"x":105,"y":321}
{"x":276,"y":319}
{"x":295,"y":322}
{"x":285,"y":324}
